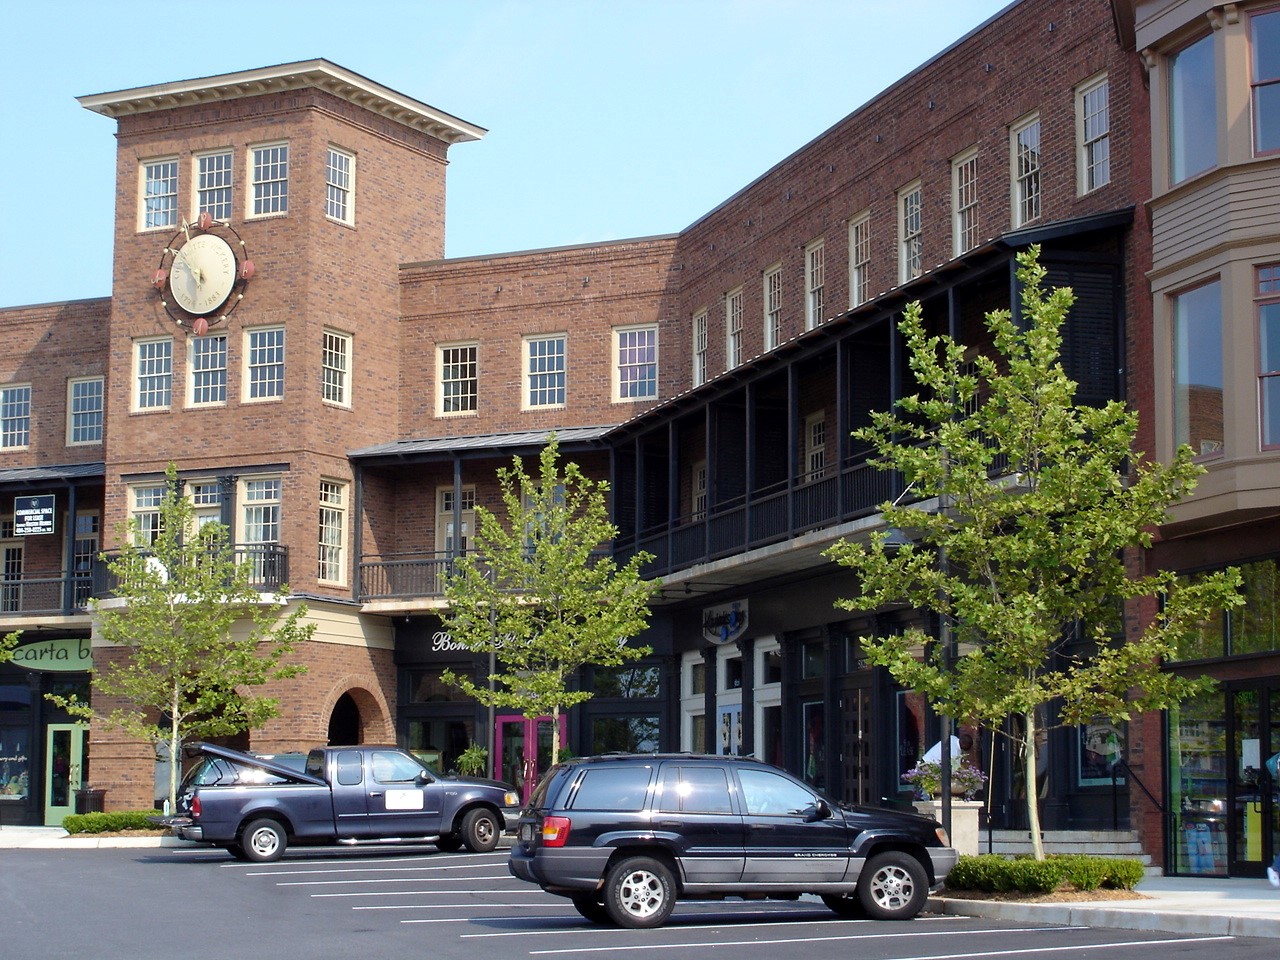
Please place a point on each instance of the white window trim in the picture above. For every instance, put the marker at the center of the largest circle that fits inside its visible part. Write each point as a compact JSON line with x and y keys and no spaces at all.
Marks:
{"x":614,"y":365}
{"x":733,"y":310}
{"x":958,"y":163}
{"x":1017,"y":199}
{"x":142,"y":194}
{"x":196,"y":205}
{"x":135,"y":381}
{"x":349,"y":354}
{"x":31,"y":407}
{"x":246,"y":370}
{"x":1082,"y":148}
{"x":350,"y":219}
{"x":691,"y":704}
{"x":191,"y":373}
{"x":772,"y":309}
{"x":251,"y":183}
{"x":700,"y":344}
{"x":766,"y":695}
{"x":811,"y":475}
{"x":526,"y":373}
{"x":243,"y":505}
{"x":859,"y":270}
{"x":343,"y":510}
{"x":439,"y":400}
{"x":815,"y":282}
{"x":102,"y":412}
{"x":906,"y":270}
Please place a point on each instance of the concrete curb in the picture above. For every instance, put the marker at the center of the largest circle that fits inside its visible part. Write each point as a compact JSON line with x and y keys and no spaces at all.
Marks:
{"x":1151,"y":916}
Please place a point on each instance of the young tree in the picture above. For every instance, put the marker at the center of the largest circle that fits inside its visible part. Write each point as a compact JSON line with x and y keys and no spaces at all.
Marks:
{"x":1028,"y":503}
{"x":7,"y":643}
{"x":198,"y":637}
{"x":539,"y":594}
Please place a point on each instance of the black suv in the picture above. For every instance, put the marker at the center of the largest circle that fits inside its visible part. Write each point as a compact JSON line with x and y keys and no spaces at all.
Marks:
{"x":625,"y":836}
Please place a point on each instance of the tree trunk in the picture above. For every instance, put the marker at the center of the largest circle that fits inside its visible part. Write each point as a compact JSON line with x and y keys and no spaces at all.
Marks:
{"x":1033,"y":787}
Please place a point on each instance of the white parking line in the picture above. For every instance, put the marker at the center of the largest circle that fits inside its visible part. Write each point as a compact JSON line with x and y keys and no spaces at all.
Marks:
{"x":425,"y":893}
{"x":419,"y":869}
{"x":807,"y":922}
{"x":935,"y":956}
{"x":334,"y":883}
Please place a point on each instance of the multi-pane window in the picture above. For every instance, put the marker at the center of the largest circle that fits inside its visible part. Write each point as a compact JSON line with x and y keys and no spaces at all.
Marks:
{"x":84,"y":552}
{"x":335,"y":367}
{"x":144,"y":513}
{"x":815,"y":282}
{"x":213,"y":184}
{"x":860,"y":260}
{"x":15,"y":415}
{"x":1193,"y":110}
{"x":545,"y":370}
{"x":733,"y":328}
{"x":1024,"y":142}
{"x":636,"y":369}
{"x":269,"y":174}
{"x":700,"y":490}
{"x":153,"y":374}
{"x":84,"y":410}
{"x":262,"y":510}
{"x":964,"y":202}
{"x":339,"y":169}
{"x":772,"y":306}
{"x":815,"y":447}
{"x":1093,"y":111}
{"x":700,"y":348}
{"x":1197,"y":368}
{"x":458,"y":378}
{"x":208,"y":369}
{"x":160,"y":194}
{"x":264,"y":363}
{"x":1269,"y":353}
{"x":910,"y":233}
{"x":332,"y":532}
{"x":206,"y":501}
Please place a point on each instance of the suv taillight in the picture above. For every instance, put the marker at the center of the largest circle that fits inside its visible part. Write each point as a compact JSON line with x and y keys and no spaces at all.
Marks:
{"x":555,"y":831}
{"x":195,"y":806}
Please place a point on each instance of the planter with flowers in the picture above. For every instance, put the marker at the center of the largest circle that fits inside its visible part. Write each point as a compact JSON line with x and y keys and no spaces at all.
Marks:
{"x":966,"y":780}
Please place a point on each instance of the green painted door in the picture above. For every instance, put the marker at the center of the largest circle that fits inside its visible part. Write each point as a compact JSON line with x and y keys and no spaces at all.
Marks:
{"x":65,"y":749}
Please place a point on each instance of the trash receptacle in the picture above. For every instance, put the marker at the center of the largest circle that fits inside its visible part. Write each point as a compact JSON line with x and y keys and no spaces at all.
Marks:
{"x":90,"y":801}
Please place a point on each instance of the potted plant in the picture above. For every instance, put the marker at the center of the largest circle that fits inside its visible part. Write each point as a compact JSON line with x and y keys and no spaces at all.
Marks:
{"x":472,"y":761}
{"x":926,"y":777}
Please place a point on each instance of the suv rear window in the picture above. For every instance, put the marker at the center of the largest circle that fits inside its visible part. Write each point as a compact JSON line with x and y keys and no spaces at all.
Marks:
{"x":612,"y":788}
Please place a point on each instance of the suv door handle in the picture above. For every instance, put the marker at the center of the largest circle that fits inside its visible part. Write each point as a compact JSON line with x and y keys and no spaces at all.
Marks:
{"x":668,"y":824}
{"x":375,"y":793}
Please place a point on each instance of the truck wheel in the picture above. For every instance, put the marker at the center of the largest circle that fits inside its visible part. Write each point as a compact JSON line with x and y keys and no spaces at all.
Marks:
{"x":479,"y":830}
{"x":237,"y":851}
{"x":449,"y":843}
{"x":263,"y":841}
{"x":639,"y":892}
{"x":844,"y":904}
{"x":893,"y":886}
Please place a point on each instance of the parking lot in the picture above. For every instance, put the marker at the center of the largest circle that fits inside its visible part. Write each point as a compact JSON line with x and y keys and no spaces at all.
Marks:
{"x":391,"y":904}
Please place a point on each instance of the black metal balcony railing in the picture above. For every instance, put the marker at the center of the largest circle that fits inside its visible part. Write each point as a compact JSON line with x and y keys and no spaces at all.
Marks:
{"x":268,"y":566}
{"x":768,"y":515}
{"x":45,"y":592}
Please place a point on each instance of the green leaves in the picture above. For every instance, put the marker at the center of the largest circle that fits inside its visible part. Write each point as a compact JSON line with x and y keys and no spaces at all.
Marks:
{"x":541,"y":591}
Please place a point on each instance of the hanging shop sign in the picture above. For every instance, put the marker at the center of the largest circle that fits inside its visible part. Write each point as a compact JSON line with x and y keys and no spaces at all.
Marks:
{"x":725,"y":622}
{"x":33,"y":516}
{"x":64,"y":655}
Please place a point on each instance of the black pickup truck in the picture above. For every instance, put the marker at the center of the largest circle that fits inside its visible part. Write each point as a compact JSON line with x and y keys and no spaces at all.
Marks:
{"x":256,"y":806}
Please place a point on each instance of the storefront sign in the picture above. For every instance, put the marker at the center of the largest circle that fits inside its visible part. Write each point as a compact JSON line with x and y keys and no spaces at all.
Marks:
{"x":65,"y":655}
{"x":724,"y":623}
{"x":33,"y":516}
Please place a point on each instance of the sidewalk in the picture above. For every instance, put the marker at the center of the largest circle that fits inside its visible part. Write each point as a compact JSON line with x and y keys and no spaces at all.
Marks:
{"x":1187,"y":905}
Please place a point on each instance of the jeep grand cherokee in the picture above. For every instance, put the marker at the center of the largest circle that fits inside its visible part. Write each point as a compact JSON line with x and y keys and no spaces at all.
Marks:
{"x":625,"y":836}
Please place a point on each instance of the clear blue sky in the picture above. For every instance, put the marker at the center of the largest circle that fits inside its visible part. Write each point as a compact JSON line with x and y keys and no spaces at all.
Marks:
{"x":606,"y":119}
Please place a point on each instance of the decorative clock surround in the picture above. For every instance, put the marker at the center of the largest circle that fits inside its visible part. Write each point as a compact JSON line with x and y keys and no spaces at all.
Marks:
{"x":203,"y":273}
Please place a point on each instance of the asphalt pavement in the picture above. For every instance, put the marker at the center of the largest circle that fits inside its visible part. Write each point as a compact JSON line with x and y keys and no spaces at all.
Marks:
{"x":1191,"y":905}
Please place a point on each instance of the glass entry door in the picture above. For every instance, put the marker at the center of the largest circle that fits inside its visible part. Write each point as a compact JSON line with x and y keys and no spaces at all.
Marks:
{"x":522,"y":750}
{"x":1254,"y":815}
{"x":66,"y":756}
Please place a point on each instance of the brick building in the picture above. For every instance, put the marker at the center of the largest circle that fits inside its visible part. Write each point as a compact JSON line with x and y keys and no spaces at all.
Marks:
{"x":344,"y":408}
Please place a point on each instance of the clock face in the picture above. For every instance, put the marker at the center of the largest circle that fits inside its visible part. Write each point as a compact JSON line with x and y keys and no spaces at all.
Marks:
{"x":202,"y":274}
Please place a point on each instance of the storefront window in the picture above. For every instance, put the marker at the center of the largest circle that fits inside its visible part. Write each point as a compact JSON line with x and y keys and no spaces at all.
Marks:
{"x":440,"y":742}
{"x":625,"y":734}
{"x":1252,"y":628}
{"x":15,"y":760}
{"x":815,"y":751}
{"x":631,"y":683}
{"x":813,"y":661}
{"x":426,"y":686}
{"x":1198,"y":785}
